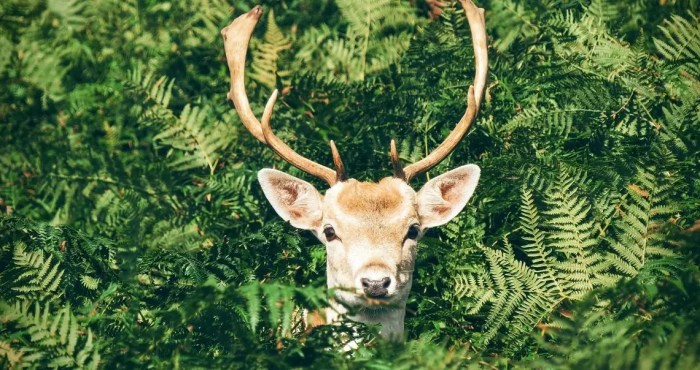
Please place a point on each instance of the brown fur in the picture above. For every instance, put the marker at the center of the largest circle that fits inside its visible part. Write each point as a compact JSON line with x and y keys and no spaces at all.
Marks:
{"x":313,"y":319}
{"x":360,"y":197}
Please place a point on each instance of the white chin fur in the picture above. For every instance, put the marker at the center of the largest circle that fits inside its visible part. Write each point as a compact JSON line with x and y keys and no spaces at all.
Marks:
{"x":352,"y":300}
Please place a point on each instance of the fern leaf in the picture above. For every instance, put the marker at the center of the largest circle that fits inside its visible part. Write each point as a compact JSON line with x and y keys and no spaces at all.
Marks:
{"x":198,"y":141}
{"x":251,"y":293}
{"x":159,"y":90}
{"x":636,"y":236}
{"x":12,"y":355}
{"x":90,"y":282}
{"x":52,"y":338}
{"x":375,"y":37}
{"x":40,"y":277}
{"x":264,"y":67}
{"x":681,"y":38}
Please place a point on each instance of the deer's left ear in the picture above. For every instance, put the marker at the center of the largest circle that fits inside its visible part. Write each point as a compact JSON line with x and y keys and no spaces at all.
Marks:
{"x":443,"y":197}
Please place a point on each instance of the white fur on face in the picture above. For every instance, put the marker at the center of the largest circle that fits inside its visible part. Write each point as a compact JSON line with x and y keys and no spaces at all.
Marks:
{"x":371,"y":221}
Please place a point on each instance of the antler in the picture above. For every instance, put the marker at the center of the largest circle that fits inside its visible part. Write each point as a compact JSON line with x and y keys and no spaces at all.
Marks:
{"x":477,"y":24}
{"x":236,"y":37}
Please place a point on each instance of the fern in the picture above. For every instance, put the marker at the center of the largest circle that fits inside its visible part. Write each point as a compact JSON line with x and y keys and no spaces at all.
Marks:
{"x":264,"y":68}
{"x":44,"y":70}
{"x":5,"y":53}
{"x":639,"y":233}
{"x":203,"y":25}
{"x":50,"y":339}
{"x":183,"y":238}
{"x":230,"y":190}
{"x":70,"y":14}
{"x":513,"y":21}
{"x":573,"y":234}
{"x":365,"y":47}
{"x":680,"y":43}
{"x":474,"y":285}
{"x":521,"y":300}
{"x":158,"y":90}
{"x":555,"y":121}
{"x":624,"y":327}
{"x":90,"y":282}
{"x":560,"y":263}
{"x":676,"y":131}
{"x":541,"y":256}
{"x":39,"y":278}
{"x":564,"y":254}
{"x":198,"y":140}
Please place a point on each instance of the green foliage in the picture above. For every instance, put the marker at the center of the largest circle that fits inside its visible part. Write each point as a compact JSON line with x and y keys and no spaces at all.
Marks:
{"x":264,"y":68}
{"x":199,"y":143}
{"x":372,"y":36}
{"x":639,"y":234}
{"x":133,"y":232}
{"x":40,"y":277}
{"x":48,"y":339}
{"x":565,"y":255}
{"x":633,"y":324}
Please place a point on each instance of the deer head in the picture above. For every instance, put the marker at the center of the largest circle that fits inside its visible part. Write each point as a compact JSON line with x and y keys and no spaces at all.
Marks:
{"x":370,"y":229}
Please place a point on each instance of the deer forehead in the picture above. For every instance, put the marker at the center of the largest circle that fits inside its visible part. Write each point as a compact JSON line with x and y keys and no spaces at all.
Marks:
{"x":386,"y":205}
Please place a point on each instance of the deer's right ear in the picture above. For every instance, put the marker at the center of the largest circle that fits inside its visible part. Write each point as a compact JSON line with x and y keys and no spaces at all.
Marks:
{"x":293,"y":199}
{"x":443,"y":197}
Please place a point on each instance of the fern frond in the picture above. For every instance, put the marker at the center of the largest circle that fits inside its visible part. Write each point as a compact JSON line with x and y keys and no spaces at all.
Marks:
{"x":90,"y":282}
{"x":198,"y":141}
{"x":561,"y":260}
{"x":11,"y":355}
{"x":638,"y":233}
{"x":553,"y":121}
{"x":375,"y":36}
{"x":522,"y":297}
{"x":573,"y":232}
{"x":474,"y":286}
{"x":157,"y":89}
{"x":682,"y":39}
{"x":51,"y":339}
{"x":264,"y":67}
{"x":279,"y":304}
{"x":514,"y":21}
{"x":71,"y":13}
{"x":539,"y":254}
{"x":44,"y":70}
{"x":39,"y":278}
{"x":179,"y":238}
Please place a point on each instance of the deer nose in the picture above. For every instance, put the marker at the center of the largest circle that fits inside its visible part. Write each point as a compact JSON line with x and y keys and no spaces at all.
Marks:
{"x":376,"y":288}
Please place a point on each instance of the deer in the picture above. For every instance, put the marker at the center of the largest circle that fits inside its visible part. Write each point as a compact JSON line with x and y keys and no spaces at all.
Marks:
{"x":370,"y":229}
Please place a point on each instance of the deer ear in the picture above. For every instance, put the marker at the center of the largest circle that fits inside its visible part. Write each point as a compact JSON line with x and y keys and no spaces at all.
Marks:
{"x":293,"y":199}
{"x":443,"y":197}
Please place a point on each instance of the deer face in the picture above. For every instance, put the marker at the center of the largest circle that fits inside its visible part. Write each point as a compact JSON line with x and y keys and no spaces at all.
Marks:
{"x":370,"y":230}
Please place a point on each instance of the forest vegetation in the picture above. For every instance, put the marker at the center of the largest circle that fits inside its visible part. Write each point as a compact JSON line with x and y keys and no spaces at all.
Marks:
{"x":133,"y":232}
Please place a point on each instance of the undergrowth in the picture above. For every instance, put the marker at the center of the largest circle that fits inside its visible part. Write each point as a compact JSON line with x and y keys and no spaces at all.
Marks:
{"x":133,"y":232}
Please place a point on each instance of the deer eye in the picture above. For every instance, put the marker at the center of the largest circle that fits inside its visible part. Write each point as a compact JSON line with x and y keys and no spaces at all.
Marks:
{"x":413,"y":232}
{"x":329,"y":232}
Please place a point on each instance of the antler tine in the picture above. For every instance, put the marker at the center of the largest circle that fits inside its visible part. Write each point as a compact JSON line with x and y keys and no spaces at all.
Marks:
{"x":396,"y":161}
{"x":236,"y":38}
{"x":477,"y":24}
{"x":338,"y":163}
